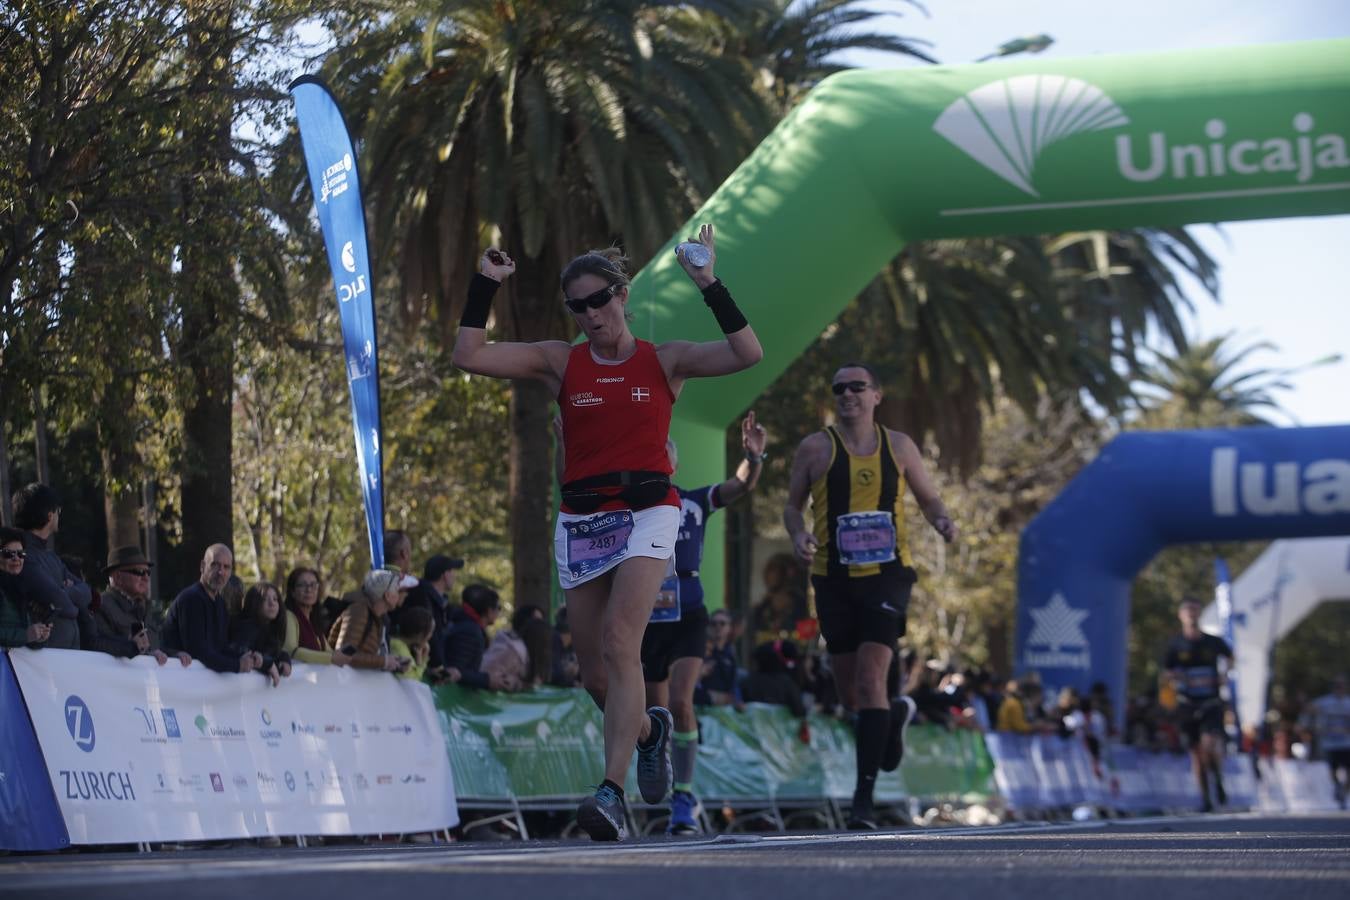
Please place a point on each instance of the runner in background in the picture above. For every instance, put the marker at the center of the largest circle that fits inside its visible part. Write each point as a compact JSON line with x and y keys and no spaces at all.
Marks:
{"x":1191,"y":668}
{"x":855,"y":474}
{"x":620,"y":516}
{"x":1329,"y":718}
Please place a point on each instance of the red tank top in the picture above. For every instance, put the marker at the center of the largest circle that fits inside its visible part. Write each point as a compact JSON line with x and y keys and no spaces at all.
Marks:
{"x":616,"y":416}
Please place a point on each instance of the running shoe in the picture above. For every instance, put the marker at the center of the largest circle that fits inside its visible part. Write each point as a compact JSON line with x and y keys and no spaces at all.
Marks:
{"x":902,"y":712}
{"x":654,"y":775}
{"x":683,"y":814}
{"x":861,"y":818}
{"x":603,"y":816}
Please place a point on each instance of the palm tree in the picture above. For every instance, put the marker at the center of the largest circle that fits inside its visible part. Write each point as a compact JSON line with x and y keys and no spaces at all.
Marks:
{"x":550,"y":128}
{"x":1207,"y":386}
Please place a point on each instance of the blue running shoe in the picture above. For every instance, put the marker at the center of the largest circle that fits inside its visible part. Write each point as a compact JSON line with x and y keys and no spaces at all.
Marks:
{"x":603,"y":815}
{"x":654,"y":775}
{"x":683,"y":814}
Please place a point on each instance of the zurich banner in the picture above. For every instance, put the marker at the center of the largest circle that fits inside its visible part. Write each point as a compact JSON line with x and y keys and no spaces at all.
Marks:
{"x":331,"y":160}
{"x":1146,"y":490}
{"x":29,"y":816}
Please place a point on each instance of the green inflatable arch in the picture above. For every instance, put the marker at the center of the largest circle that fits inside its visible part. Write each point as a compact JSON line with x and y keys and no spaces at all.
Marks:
{"x":871,"y":160}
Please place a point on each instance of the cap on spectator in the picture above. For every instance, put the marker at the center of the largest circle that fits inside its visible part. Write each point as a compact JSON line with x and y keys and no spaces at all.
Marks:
{"x":126,"y":556}
{"x":438,"y":565}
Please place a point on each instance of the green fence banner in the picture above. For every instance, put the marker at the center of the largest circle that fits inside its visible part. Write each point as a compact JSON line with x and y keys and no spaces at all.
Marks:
{"x":548,"y":744}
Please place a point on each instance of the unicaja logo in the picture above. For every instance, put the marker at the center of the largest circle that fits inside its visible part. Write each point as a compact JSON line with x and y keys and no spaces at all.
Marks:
{"x":1321,"y":488}
{"x":1006,"y":125}
{"x":1059,"y":630}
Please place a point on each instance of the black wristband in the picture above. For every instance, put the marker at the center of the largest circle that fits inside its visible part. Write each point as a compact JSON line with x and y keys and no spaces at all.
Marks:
{"x":479,"y":304}
{"x":729,"y":317}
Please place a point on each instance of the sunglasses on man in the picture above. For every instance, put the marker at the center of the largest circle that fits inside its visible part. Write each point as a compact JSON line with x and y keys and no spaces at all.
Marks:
{"x":139,"y":573}
{"x":13,"y":554}
{"x":853,"y":387}
{"x":591,"y":301}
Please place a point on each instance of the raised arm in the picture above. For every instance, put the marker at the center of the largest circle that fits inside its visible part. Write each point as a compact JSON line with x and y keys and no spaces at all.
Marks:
{"x":740,"y":348}
{"x":747,"y":474}
{"x":907,"y":456}
{"x":539,"y":361}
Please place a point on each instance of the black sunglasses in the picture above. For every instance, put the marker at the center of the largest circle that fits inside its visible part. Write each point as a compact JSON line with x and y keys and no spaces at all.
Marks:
{"x":594,"y":301}
{"x":13,"y":554}
{"x":856,"y":387}
{"x":140,"y":573}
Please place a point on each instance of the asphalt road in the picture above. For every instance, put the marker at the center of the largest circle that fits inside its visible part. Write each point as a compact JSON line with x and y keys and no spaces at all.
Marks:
{"x":1228,"y":857}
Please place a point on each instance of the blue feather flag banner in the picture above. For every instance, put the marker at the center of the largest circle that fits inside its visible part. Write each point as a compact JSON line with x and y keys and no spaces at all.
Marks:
{"x":331,"y":161}
{"x":1223,"y":603}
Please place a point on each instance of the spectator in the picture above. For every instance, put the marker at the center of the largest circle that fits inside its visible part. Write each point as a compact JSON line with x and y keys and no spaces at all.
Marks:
{"x":784,"y":600}
{"x":721,"y":678}
{"x":431,"y":593}
{"x":45,"y":578}
{"x":510,"y":654}
{"x":566,"y":671}
{"x":412,"y":640}
{"x":1012,"y":715}
{"x":261,"y":627}
{"x":774,"y":679}
{"x":398,"y":555}
{"x":1068,"y":718}
{"x":360,"y":631}
{"x":16,"y":627}
{"x":306,"y":622}
{"x":198,"y":623}
{"x":467,"y":640}
{"x":119,"y":626}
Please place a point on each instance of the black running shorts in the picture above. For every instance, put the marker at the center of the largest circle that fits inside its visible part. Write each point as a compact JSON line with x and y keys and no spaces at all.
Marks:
{"x":665,"y":642}
{"x":855,"y":610}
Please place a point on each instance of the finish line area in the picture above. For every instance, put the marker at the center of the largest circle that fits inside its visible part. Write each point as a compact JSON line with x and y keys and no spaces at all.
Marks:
{"x":1163,"y":858}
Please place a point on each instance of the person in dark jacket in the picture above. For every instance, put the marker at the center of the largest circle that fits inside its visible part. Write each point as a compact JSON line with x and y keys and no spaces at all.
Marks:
{"x":467,"y":639}
{"x":433,"y":594}
{"x":17,"y":629}
{"x":46,"y":578}
{"x":774,"y":680}
{"x":261,"y":627}
{"x":198,"y":623}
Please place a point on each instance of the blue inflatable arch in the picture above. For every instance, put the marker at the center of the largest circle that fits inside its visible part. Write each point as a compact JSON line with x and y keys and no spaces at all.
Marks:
{"x":1145,"y":491}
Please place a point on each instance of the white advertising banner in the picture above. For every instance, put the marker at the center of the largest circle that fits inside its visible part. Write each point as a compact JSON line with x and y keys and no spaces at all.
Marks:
{"x":139,"y":752}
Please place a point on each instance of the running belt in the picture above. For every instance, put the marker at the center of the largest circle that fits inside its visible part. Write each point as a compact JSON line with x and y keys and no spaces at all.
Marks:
{"x":639,"y":489}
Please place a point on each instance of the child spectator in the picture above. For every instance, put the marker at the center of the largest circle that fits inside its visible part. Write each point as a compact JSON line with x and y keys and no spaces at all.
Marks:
{"x":260,"y":627}
{"x":413,"y":640}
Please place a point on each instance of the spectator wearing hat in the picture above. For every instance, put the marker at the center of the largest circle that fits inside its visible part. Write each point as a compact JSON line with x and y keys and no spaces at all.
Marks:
{"x":120,"y":624}
{"x":360,"y":631}
{"x":46,"y":579}
{"x":431,"y":594}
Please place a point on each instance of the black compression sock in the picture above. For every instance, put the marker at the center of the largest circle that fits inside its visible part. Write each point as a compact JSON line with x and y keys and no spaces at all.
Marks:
{"x":871,"y":742}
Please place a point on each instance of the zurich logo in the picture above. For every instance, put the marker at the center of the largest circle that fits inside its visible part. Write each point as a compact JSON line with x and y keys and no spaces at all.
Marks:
{"x":1006,"y":125}
{"x":266,"y":717}
{"x":348,"y":257}
{"x":80,"y":723}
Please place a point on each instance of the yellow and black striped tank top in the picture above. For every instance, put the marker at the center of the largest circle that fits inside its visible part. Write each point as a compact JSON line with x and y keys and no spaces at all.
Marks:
{"x":856,"y":484}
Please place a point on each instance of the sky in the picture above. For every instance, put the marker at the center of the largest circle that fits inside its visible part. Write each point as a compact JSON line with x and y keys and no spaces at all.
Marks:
{"x":1286,"y":281}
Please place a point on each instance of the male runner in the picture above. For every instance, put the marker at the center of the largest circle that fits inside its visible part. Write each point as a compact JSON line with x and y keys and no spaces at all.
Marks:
{"x":676,"y":637}
{"x":1330,"y":715}
{"x":855,"y":473}
{"x":1192,"y":665}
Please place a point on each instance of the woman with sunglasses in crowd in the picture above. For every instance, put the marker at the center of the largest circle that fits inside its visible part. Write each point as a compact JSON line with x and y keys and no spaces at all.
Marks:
{"x":620,"y":516}
{"x":306,"y":623}
{"x":16,"y":626}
